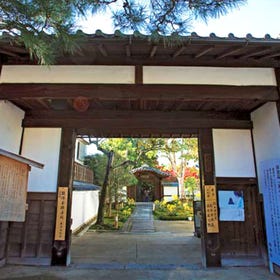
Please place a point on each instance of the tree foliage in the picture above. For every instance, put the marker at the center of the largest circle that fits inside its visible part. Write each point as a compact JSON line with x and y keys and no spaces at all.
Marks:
{"x":47,"y":26}
{"x":180,"y":152}
{"x":112,"y":168}
{"x":97,"y":163}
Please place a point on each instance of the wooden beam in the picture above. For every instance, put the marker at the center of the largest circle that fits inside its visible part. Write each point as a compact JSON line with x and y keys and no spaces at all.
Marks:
{"x":103,"y":50}
{"x":211,"y":250}
{"x":256,"y":53}
{"x":203,"y":52}
{"x":43,"y":103}
{"x":153,"y":51}
{"x":99,"y":114}
{"x":9,"y":53}
{"x":138,"y":74}
{"x":164,"y":60}
{"x":178,"y":52}
{"x":128,"y":124}
{"x":272,"y":55}
{"x":140,"y":132}
{"x":138,"y":91}
{"x":229,"y":52}
{"x":128,"y":50}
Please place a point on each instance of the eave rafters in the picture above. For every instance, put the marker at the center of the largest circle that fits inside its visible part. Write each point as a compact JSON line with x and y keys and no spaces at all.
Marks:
{"x":121,"y":49}
{"x":204,"y":51}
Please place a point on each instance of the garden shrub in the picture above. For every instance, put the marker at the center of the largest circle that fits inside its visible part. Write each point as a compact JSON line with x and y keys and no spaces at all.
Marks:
{"x":172,"y":210}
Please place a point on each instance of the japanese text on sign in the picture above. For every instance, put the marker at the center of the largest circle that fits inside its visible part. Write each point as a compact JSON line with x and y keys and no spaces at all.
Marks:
{"x":13,"y":189}
{"x":270,"y":180}
{"x":60,"y":227}
{"x":211,"y":209}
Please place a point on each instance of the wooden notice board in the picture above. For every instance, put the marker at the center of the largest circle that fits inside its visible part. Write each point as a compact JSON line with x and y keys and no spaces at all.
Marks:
{"x":13,"y":189}
{"x":14,"y":171}
{"x":61,"y":213}
{"x":211,"y":209}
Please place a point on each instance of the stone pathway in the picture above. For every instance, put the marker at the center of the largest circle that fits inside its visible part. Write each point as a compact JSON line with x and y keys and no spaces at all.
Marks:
{"x":142,"y":220}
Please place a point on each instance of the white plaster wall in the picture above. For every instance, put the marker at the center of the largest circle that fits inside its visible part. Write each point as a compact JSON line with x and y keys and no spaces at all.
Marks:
{"x":84,"y":207}
{"x":67,"y":74}
{"x":233,"y":153}
{"x":42,"y":145}
{"x":10,"y":126}
{"x":266,"y":134}
{"x":170,"y":190}
{"x":208,"y":75}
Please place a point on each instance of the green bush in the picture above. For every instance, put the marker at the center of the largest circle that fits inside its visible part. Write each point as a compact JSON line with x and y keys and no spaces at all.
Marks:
{"x":126,"y":210}
{"x":172,"y":218}
{"x":123,"y":214}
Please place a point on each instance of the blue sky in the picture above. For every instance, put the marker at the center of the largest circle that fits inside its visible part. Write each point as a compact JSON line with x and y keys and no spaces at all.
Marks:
{"x":258,"y":17}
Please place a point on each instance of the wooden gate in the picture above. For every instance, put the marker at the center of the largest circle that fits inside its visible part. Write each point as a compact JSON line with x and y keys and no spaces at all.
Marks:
{"x":242,"y":238}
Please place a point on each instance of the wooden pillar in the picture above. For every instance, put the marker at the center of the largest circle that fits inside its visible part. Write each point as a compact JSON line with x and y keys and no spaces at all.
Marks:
{"x":277,"y":75}
{"x":61,"y":244}
{"x":211,"y":253}
{"x":138,"y":74}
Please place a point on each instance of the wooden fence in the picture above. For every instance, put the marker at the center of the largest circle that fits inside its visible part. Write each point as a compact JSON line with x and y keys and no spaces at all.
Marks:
{"x":82,"y":173}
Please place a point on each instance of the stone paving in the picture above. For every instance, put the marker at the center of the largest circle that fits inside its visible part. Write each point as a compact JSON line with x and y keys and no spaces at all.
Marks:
{"x":154,"y":250}
{"x":142,"y":220}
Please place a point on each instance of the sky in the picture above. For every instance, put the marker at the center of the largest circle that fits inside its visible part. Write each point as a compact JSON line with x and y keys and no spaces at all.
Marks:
{"x":257,"y":17}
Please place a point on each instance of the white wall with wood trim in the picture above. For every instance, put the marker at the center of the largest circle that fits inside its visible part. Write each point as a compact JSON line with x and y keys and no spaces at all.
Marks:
{"x":67,"y":74}
{"x":169,"y":191}
{"x":233,"y":153}
{"x":126,"y":75}
{"x":208,"y":75}
{"x":266,"y":133}
{"x":10,"y":126}
{"x":84,"y":207}
{"x":42,"y":145}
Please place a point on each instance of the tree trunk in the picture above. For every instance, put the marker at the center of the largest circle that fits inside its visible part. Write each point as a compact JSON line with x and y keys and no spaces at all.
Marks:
{"x":100,"y":216}
{"x":109,"y":210}
{"x":181,"y":187}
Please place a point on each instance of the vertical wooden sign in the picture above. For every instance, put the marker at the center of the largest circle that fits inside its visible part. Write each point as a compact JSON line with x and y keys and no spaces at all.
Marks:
{"x":61,"y":214}
{"x":211,"y":209}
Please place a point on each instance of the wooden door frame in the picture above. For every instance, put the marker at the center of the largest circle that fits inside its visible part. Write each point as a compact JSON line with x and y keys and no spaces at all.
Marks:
{"x":61,"y":248}
{"x":210,"y":242}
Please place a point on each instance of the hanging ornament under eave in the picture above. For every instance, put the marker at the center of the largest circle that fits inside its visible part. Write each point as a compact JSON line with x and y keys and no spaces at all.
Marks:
{"x":81,"y":104}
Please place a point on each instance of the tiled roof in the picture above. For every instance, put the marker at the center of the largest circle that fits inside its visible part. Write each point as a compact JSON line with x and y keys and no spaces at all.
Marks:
{"x":155,"y":49}
{"x":82,"y":186}
{"x":192,"y":36}
{"x":146,"y":168}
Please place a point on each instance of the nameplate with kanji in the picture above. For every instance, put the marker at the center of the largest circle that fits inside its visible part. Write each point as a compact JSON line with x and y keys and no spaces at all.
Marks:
{"x":211,"y":209}
{"x":61,"y":213}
